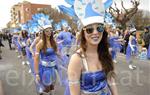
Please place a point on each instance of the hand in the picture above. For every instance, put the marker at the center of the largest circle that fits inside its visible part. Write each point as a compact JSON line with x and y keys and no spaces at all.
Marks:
{"x":37,"y":78}
{"x":33,"y":54}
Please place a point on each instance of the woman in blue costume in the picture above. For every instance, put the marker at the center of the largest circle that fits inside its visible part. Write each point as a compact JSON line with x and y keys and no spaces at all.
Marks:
{"x":18,"y":45}
{"x":91,"y":70}
{"x":65,"y":38}
{"x":115,"y":44}
{"x":45,"y":60}
{"x":14,"y":40}
{"x":131,"y":51}
{"x":22,"y":39}
{"x":28,"y":52}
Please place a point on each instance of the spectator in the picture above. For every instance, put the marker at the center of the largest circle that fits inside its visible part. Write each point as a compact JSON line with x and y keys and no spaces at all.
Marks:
{"x":9,"y":40}
{"x":1,"y":45}
{"x":146,"y":37}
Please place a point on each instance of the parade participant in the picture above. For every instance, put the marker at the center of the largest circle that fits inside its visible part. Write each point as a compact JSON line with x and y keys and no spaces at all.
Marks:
{"x":14,"y":40}
{"x":91,"y":70}
{"x":57,"y":30}
{"x":65,"y":38}
{"x":45,"y":60}
{"x":28,"y":52}
{"x":22,"y":43}
{"x":16,"y":43}
{"x":131,"y":51}
{"x":115,"y":44}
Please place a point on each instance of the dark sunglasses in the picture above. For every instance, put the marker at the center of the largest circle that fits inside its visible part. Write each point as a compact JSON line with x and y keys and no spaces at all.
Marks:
{"x":100,"y":28}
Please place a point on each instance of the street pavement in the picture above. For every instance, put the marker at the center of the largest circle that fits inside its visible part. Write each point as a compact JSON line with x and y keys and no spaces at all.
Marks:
{"x":17,"y":81}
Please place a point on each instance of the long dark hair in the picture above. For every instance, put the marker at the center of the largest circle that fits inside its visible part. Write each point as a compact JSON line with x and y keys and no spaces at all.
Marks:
{"x":52,"y":42}
{"x":103,"y":53}
{"x":24,"y":34}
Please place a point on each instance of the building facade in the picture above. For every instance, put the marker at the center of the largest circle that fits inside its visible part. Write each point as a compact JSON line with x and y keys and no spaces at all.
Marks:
{"x":22,"y":12}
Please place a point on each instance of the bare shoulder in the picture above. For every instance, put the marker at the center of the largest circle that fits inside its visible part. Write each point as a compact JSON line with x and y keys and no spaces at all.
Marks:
{"x":75,"y":62}
{"x":39,"y":45}
{"x":37,"y":39}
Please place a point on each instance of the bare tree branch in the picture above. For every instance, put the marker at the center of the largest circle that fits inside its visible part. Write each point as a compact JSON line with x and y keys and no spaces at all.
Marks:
{"x":117,"y":10}
{"x":124,"y":15}
{"x":124,"y":7}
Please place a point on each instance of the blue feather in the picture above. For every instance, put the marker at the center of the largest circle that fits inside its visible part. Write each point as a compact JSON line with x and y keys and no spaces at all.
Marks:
{"x":70,"y":2}
{"x":108,"y":3}
{"x":67,"y":10}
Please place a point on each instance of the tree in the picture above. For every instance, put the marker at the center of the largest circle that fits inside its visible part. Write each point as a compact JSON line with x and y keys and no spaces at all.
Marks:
{"x":141,"y":19}
{"x":122,"y":16}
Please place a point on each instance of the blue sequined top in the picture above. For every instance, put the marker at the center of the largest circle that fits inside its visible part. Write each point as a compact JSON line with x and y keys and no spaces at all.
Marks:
{"x":94,"y":82}
{"x":49,"y":55}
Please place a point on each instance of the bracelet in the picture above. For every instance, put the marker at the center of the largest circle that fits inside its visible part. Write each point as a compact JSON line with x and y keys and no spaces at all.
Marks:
{"x":37,"y":75}
{"x":73,"y":82}
{"x":112,"y":84}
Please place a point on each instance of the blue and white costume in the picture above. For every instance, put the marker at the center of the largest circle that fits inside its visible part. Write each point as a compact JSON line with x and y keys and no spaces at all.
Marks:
{"x":29,"y":55}
{"x":47,"y":67}
{"x":116,"y":46}
{"x":14,"y":39}
{"x":92,"y":82}
{"x":66,"y":39}
{"x":131,"y":49}
{"x":18,"y":45}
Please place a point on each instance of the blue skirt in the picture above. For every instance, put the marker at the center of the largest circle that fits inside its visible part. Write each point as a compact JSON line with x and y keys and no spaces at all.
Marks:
{"x":47,"y":75}
{"x":130,"y":53}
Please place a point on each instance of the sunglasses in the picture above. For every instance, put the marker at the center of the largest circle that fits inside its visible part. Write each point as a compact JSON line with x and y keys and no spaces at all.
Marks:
{"x":48,"y":30}
{"x":89,"y":30}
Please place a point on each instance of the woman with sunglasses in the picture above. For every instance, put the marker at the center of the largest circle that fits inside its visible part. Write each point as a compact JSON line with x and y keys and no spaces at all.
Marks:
{"x":45,"y":69}
{"x":91,"y":70}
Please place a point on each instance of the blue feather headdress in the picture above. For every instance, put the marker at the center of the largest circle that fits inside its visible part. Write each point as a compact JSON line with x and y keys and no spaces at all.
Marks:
{"x":42,"y":20}
{"x":57,"y":26}
{"x":87,"y":11}
{"x":64,"y":23}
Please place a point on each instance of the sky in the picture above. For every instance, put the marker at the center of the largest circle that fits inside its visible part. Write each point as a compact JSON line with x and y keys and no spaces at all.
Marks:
{"x":5,"y":7}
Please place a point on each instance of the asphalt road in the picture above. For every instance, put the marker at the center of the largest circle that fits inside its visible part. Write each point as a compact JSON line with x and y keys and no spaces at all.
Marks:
{"x":17,"y":81}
